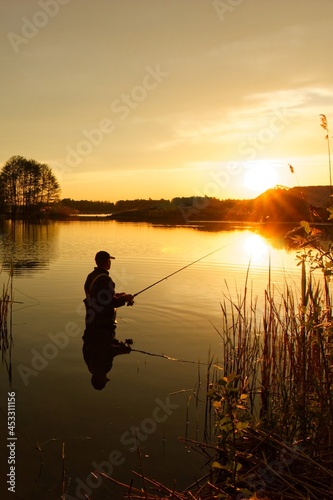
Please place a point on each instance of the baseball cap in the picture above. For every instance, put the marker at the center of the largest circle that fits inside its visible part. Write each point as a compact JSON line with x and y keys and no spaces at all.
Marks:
{"x":102,"y":256}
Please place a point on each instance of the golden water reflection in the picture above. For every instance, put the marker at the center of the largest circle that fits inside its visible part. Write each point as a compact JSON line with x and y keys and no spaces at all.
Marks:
{"x":30,"y":248}
{"x":27,"y":247}
{"x":256,"y":248}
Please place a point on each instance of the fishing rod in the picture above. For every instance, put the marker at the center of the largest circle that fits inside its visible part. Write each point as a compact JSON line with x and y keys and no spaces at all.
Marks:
{"x":175,"y":272}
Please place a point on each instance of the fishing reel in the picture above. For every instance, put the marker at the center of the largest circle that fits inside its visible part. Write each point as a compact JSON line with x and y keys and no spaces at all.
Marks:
{"x":130,"y":303}
{"x":128,"y":342}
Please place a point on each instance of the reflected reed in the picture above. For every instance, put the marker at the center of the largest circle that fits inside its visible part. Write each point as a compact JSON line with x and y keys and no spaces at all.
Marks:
{"x":6,"y":338}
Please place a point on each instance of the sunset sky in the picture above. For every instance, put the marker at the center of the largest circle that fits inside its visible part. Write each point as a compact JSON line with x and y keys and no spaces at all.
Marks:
{"x":132,"y":99}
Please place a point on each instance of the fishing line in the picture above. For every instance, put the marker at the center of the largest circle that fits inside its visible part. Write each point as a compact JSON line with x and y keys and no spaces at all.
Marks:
{"x":178,"y":271}
{"x":167,"y":357}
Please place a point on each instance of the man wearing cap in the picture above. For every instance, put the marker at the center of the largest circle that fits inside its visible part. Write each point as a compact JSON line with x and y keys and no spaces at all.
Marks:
{"x":101,"y":298}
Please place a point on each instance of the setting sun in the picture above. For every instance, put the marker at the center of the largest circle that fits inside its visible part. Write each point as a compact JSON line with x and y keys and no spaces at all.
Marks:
{"x":259,"y":178}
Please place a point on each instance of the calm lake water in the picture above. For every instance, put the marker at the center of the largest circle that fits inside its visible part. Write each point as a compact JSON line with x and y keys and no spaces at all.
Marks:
{"x":146,"y":396}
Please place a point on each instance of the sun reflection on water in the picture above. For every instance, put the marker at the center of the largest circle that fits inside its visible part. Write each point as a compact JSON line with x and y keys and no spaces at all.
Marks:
{"x":256,"y":248}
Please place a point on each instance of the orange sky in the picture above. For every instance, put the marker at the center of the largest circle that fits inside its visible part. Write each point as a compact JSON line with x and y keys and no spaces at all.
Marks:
{"x":161,"y":98}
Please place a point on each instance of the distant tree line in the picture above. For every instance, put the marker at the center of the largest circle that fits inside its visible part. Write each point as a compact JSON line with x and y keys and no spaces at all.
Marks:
{"x":105,"y":207}
{"x":88,"y":206}
{"x":192,"y":203}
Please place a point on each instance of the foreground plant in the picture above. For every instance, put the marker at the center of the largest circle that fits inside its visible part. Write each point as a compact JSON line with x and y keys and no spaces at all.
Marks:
{"x":6,"y":338}
{"x":274,"y":402}
{"x":324,"y":125}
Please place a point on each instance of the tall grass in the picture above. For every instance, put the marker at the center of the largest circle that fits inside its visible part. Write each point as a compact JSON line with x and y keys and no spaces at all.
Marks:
{"x":273,"y":394}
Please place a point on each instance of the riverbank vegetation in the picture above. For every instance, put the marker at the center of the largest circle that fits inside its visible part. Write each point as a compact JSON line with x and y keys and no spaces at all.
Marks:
{"x":273,"y":395}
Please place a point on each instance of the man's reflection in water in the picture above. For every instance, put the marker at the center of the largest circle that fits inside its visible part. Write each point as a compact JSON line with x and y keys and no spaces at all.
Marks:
{"x":99,"y":349}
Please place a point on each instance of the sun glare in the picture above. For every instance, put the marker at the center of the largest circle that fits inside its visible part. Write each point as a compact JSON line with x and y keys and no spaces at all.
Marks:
{"x":260,"y":178}
{"x":256,"y":248}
